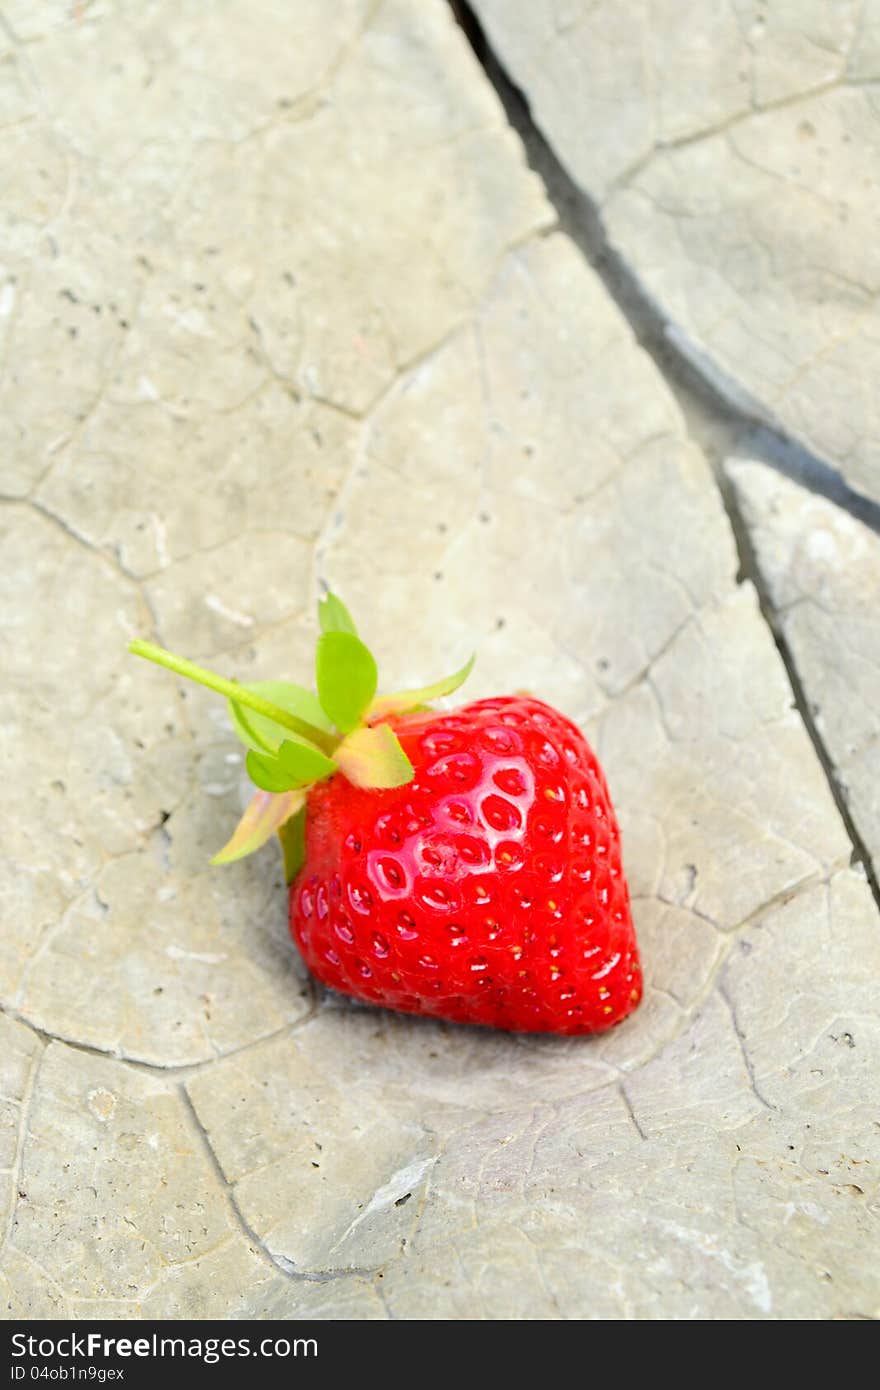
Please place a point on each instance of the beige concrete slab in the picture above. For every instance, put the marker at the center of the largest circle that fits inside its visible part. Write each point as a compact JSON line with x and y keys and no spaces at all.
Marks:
{"x":732,"y":151}
{"x":352,"y":352}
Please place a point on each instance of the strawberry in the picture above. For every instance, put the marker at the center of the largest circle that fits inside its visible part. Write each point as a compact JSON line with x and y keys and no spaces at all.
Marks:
{"x":464,"y":865}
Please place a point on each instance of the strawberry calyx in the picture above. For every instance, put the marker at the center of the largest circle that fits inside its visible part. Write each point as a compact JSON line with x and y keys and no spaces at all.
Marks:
{"x":296,"y":737}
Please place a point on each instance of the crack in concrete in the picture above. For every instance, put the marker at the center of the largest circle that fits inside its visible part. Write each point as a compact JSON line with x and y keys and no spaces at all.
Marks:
{"x":751,"y":570}
{"x":720,"y":415}
{"x":108,"y":556}
{"x":716,"y":406}
{"x":722,"y":128}
{"x":21,"y":1139}
{"x":741,"y":1039}
{"x":181,"y":1070}
{"x":711,"y":983}
{"x":254,"y":1241}
{"x":379,"y":1289}
{"x":628,"y":1105}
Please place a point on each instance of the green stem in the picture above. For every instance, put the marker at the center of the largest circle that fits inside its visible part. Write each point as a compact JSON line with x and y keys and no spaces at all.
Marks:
{"x":232,"y":690}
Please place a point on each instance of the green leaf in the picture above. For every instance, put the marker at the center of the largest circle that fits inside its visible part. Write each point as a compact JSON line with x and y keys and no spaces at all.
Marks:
{"x":333,"y":615}
{"x":267,"y":773}
{"x":374,"y":758}
{"x":292,"y":835}
{"x":347,"y":678}
{"x":260,"y":732}
{"x":265,"y":814}
{"x":412,"y":699}
{"x":305,"y":763}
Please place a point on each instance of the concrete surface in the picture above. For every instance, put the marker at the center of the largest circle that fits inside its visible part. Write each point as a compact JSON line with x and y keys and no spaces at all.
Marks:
{"x":302,"y":314}
{"x":732,"y":151}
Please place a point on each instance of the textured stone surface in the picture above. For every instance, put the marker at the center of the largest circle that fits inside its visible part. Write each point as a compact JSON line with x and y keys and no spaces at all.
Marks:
{"x":822,"y":571}
{"x":442,"y":414}
{"x":733,"y":151}
{"x":191,"y":329}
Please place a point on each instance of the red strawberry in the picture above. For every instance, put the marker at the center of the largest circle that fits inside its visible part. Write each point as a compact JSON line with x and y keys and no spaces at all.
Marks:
{"x":463,"y":865}
{"x":487,"y":890}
